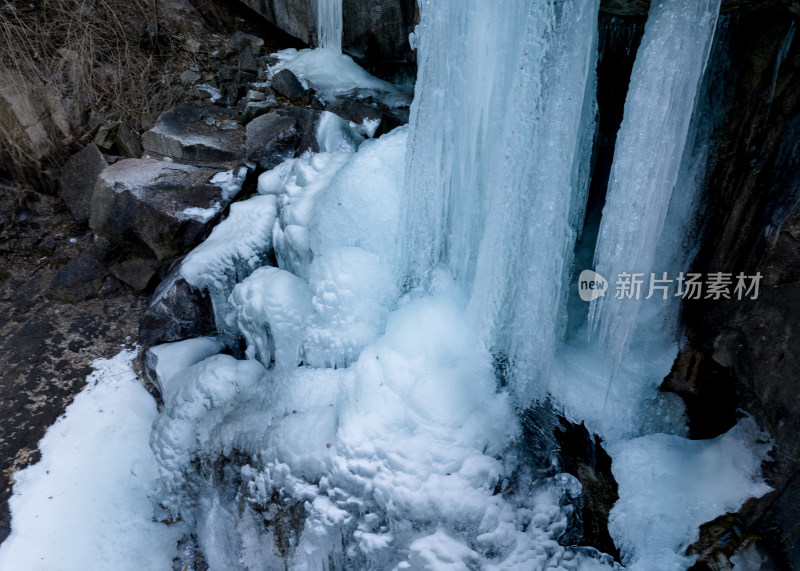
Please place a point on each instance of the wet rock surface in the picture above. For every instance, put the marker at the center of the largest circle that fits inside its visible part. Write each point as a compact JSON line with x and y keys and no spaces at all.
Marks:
{"x":742,"y":354}
{"x":176,"y":312}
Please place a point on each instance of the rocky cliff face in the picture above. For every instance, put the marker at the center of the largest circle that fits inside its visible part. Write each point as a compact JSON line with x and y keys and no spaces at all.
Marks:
{"x":743,"y":355}
{"x":375,"y":31}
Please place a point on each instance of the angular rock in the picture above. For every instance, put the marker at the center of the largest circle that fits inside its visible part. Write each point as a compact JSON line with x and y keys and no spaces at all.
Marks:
{"x":156,"y":208}
{"x":247,"y":61}
{"x":119,"y":138}
{"x":176,"y":312}
{"x":126,"y":141}
{"x":136,"y":272}
{"x":197,"y":133}
{"x":271,"y":138}
{"x":239,"y":41}
{"x":254,"y":109}
{"x":104,"y":138}
{"x":23,"y":115}
{"x":78,"y":178}
{"x":285,"y":83}
{"x":80,"y":279}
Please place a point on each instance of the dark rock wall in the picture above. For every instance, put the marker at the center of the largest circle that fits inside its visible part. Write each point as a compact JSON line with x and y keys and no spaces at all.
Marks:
{"x":375,"y":31}
{"x":744,"y":355}
{"x":741,"y":355}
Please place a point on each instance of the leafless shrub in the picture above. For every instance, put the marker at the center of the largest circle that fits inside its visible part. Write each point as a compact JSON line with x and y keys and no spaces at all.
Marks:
{"x":74,"y":58}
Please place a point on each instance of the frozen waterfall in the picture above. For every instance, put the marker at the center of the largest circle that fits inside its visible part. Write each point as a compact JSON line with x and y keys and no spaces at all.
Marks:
{"x":420,"y":305}
{"x":329,"y":25}
{"x":647,"y":160}
{"x":497,"y":166}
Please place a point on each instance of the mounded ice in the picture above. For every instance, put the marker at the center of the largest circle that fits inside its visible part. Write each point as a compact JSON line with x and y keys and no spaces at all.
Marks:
{"x":333,"y":75}
{"x":236,"y":247}
{"x":273,"y":310}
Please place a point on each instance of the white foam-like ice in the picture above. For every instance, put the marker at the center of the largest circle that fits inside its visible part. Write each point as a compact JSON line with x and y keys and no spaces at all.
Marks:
{"x":295,"y":183}
{"x":169,"y":359}
{"x":87,"y":504}
{"x":333,"y":75}
{"x":669,"y":486}
{"x":273,"y":309}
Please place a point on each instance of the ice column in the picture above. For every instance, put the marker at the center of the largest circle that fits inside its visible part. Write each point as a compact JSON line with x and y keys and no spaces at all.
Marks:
{"x":329,"y":25}
{"x":658,"y":110}
{"x":496,"y":178}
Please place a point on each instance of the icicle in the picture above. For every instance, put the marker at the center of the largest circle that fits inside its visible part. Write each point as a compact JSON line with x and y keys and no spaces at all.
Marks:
{"x":658,"y":110}
{"x":329,"y":25}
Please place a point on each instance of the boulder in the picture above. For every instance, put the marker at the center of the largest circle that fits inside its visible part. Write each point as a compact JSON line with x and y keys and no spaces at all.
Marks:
{"x":253,"y":109}
{"x":286,"y":84}
{"x":359,"y":111}
{"x":118,"y":137}
{"x":24,"y":117}
{"x":156,"y":209}
{"x":197,"y":133}
{"x":306,"y":120}
{"x":239,"y":41}
{"x":136,"y":272}
{"x":81,"y":278}
{"x":271,"y":138}
{"x":247,"y":61}
{"x":176,"y":312}
{"x":78,"y":178}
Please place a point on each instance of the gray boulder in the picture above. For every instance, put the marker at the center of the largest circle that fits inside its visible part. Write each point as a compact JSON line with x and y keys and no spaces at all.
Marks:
{"x":156,"y":209}
{"x":78,"y":178}
{"x":136,"y":272}
{"x":81,"y":278}
{"x":197,"y":133}
{"x":176,"y":312}
{"x":286,"y":84}
{"x":271,"y":138}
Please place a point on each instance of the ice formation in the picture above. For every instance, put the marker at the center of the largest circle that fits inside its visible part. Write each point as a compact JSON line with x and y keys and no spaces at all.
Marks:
{"x":647,"y":158}
{"x":368,"y":427}
{"x":371,"y":415}
{"x":329,"y":25}
{"x":333,"y":75}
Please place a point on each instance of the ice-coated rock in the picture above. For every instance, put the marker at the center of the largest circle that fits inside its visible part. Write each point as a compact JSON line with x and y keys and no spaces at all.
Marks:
{"x":177,"y":311}
{"x":197,"y":133}
{"x":237,"y":246}
{"x":158,"y":208}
